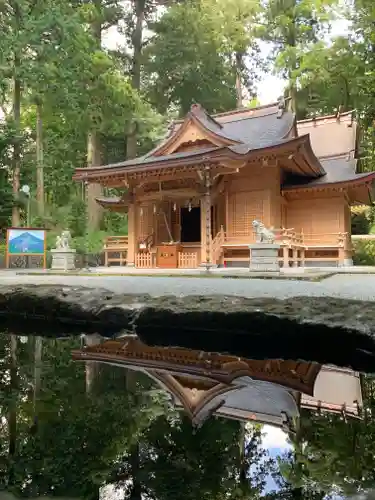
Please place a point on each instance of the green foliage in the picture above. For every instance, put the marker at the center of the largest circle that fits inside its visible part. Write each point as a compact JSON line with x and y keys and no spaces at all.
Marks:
{"x":71,"y":441}
{"x":6,"y":201}
{"x":360,"y":222}
{"x":90,"y":243}
{"x":364,"y":253}
{"x":191,"y":56}
{"x":294,"y":26}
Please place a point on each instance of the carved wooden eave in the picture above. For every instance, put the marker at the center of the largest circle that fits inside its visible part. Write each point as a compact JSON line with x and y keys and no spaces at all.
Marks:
{"x":290,"y":152}
{"x":115,"y":204}
{"x":197,"y":126}
{"x":359,"y":188}
{"x":130,"y":351}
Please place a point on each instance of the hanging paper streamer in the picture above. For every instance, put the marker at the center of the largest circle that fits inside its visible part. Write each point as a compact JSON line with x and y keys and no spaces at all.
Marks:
{"x":174,"y":207}
{"x":189,"y":206}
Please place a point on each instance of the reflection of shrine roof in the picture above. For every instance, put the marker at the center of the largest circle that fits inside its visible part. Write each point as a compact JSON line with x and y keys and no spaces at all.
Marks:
{"x":130,"y":351}
{"x":207,"y":383}
{"x":203,"y":384}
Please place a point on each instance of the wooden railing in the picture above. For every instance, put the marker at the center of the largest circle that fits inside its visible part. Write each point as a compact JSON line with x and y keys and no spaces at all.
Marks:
{"x":323,"y":239}
{"x":326,"y":247}
{"x":247,"y":238}
{"x":363,"y":237}
{"x":144,"y":260}
{"x":187,"y":260}
{"x":294,"y":245}
{"x":115,"y":245}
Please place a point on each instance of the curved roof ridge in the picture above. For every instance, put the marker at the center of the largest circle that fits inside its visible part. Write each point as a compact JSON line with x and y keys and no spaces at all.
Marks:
{"x":327,"y":117}
{"x":198,"y":110}
{"x":244,"y":108}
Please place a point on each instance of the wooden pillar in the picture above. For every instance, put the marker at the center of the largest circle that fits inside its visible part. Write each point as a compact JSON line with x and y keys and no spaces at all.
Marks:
{"x":341,"y":256}
{"x":295,"y":257}
{"x":285,"y":256}
{"x":226,"y":210}
{"x":132,"y":237}
{"x":206,"y":227}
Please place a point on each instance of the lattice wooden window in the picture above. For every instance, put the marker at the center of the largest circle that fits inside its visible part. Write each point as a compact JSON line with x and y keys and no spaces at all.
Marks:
{"x":316,"y":216}
{"x":244,"y":208}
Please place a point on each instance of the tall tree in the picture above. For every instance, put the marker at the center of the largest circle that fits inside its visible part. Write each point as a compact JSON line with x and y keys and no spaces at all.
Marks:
{"x":293,"y":27}
{"x":191,"y":57}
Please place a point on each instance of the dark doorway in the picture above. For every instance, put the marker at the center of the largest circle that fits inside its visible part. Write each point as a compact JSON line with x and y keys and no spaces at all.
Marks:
{"x":191,"y":225}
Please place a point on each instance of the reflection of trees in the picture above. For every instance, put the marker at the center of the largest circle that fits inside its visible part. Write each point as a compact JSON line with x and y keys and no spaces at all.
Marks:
{"x":332,"y":453}
{"x":58,"y":439}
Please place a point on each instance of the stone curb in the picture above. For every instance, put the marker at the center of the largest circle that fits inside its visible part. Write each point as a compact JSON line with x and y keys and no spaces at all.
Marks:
{"x":320,"y":329}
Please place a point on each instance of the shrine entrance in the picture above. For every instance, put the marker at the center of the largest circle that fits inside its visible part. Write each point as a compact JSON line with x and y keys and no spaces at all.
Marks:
{"x":191,"y":225}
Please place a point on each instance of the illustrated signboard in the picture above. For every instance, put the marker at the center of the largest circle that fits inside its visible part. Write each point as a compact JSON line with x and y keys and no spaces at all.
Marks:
{"x":26,"y":241}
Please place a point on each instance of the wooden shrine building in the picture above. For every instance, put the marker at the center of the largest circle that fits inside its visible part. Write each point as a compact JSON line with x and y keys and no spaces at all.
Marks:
{"x":205,"y":384}
{"x":192,"y":199}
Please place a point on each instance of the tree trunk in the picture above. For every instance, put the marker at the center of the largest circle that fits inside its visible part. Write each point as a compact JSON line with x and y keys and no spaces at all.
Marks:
{"x":139,"y":7}
{"x":12,"y":410}
{"x":94,"y":211}
{"x":91,"y":366}
{"x":243,"y":465}
{"x":39,"y":160}
{"x":38,"y":349}
{"x":292,"y":42}
{"x":238,"y":57}
{"x":16,"y":160}
{"x":134,"y":456}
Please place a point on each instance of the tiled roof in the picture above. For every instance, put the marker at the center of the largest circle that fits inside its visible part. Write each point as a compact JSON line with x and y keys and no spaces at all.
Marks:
{"x":156,"y":159}
{"x":249,"y":130}
{"x":257,"y":130}
{"x":338,"y":170}
{"x":253,"y":127}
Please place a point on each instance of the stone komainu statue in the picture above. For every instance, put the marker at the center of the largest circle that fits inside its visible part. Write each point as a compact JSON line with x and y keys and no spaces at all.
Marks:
{"x":262,"y":234}
{"x":63,"y":241}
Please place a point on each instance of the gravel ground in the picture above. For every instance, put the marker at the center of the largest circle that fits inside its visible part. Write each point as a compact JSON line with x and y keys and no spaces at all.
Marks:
{"x":359,"y":287}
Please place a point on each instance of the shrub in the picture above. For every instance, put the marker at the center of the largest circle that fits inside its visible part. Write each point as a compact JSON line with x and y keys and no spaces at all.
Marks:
{"x":360,"y":223}
{"x":364,"y":253}
{"x":92,"y":243}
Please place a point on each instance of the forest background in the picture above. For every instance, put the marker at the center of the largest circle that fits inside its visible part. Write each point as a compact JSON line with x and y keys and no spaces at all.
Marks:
{"x":67,"y":101}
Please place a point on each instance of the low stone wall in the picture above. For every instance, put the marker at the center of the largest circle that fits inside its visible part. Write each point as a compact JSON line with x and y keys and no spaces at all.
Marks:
{"x":320,"y":329}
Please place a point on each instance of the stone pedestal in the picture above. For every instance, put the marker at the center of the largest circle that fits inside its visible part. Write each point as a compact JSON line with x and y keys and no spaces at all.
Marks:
{"x":264,"y":257}
{"x":63,"y":259}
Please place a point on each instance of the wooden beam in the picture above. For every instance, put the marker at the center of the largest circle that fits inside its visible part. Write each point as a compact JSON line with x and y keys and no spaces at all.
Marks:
{"x":169,"y":193}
